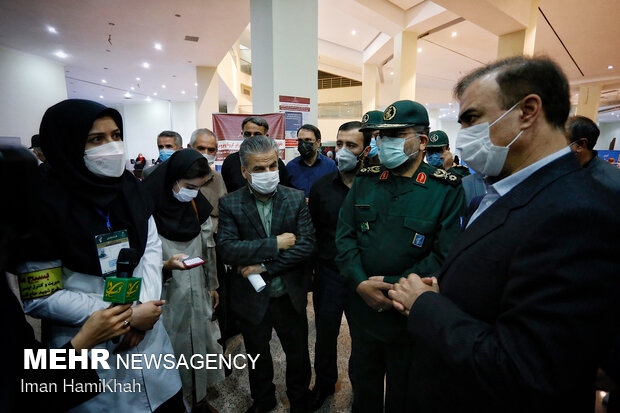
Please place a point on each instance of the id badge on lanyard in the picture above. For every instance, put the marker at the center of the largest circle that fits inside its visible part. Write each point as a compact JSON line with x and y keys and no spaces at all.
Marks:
{"x":108,"y":247}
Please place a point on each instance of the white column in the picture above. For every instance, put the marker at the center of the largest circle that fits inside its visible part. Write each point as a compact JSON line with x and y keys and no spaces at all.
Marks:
{"x":208,"y":96}
{"x":284,"y":53}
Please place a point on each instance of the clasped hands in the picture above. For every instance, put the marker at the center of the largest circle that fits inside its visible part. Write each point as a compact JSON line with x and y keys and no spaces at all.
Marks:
{"x":402,"y":294}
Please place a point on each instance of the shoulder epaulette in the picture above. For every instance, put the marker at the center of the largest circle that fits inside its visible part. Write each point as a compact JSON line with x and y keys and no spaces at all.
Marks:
{"x":446,"y":177}
{"x":370,"y":170}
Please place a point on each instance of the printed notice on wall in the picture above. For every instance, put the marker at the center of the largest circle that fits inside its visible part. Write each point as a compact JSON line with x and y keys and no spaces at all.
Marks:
{"x":297,"y":113}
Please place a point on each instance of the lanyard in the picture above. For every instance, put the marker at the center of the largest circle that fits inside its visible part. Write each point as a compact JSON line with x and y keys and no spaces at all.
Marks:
{"x":195,"y":210}
{"x":107,"y":219}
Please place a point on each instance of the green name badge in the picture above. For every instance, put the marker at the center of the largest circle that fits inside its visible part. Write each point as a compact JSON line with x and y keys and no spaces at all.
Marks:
{"x":122,"y":290}
{"x":40,"y":283}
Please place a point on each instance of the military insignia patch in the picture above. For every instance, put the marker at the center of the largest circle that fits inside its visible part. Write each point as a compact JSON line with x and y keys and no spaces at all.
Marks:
{"x":418,"y":240}
{"x":384,"y":175}
{"x":365,"y":118}
{"x":446,"y":177}
{"x":389,"y":113}
{"x":421,"y":178}
{"x":371,"y":170}
{"x":365,"y":227}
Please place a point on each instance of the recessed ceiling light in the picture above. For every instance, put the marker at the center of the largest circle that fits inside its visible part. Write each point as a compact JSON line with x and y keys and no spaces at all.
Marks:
{"x":61,"y":54}
{"x":163,"y":86}
{"x":146,"y":65}
{"x":154,"y":93}
{"x":392,"y":73}
{"x":353,"y":32}
{"x":127,"y":95}
{"x":195,"y":84}
{"x":100,"y":96}
{"x":610,"y":67}
{"x":148,"y":99}
{"x":104,"y":81}
{"x":419,"y":50}
{"x":138,"y":79}
{"x":51,"y":29}
{"x":158,"y":46}
{"x":132,"y":88}
{"x":182,"y":92}
{"x":453,"y":34}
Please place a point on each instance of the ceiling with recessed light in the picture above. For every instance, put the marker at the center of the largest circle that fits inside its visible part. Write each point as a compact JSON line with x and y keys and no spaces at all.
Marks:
{"x":141,"y":44}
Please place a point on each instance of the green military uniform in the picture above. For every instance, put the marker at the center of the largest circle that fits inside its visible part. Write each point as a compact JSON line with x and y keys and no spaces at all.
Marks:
{"x":391,"y":226}
{"x":439,"y":139}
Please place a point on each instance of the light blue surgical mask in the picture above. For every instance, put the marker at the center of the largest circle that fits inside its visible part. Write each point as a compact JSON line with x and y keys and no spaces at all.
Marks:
{"x":434,"y":159}
{"x":164,"y":154}
{"x":374,"y":149}
{"x":392,"y":152}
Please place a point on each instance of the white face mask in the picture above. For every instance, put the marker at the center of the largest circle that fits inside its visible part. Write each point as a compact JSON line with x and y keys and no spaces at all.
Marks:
{"x":477,"y":150}
{"x":265,"y":182}
{"x":184,"y":194}
{"x":107,"y":160}
{"x":210,"y":158}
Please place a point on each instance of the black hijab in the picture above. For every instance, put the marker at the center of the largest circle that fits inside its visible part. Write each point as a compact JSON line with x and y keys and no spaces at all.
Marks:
{"x":75,"y":202}
{"x":176,"y":221}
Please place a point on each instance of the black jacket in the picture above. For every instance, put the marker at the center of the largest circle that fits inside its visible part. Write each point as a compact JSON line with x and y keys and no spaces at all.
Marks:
{"x":527,"y":297}
{"x":241,"y":241}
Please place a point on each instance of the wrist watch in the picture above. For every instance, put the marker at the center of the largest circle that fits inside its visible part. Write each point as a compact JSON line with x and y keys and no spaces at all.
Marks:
{"x":262,"y":265}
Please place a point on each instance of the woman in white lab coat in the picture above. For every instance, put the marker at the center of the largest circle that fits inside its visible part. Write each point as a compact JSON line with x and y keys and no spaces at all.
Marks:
{"x":87,"y":194}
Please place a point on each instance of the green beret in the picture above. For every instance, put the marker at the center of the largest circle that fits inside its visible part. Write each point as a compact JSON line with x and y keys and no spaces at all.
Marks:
{"x":437,"y":139}
{"x":403,"y":114}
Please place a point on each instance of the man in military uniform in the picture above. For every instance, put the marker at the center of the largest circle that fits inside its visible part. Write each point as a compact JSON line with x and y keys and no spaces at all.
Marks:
{"x":397,"y":218}
{"x":369,"y":131}
{"x":438,"y":154}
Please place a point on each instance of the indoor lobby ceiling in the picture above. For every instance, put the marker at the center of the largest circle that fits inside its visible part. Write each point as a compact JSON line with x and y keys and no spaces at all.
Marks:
{"x":116,"y":40}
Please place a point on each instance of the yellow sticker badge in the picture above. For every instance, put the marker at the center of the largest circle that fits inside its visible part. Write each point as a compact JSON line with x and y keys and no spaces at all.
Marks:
{"x":40,"y":283}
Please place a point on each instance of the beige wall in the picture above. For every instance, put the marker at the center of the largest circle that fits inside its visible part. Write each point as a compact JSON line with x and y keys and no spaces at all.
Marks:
{"x":329,"y":129}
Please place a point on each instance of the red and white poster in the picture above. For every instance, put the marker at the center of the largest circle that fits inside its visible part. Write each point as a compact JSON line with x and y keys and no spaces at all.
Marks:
{"x":227,"y":128}
{"x":297,"y":113}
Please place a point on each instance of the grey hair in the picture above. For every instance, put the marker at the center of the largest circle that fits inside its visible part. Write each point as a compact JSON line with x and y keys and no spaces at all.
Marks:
{"x":254,"y":145}
{"x":178,"y":141}
{"x":198,"y":132}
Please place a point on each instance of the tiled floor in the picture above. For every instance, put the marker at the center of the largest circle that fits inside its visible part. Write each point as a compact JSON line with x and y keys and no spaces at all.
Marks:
{"x":233,"y":394}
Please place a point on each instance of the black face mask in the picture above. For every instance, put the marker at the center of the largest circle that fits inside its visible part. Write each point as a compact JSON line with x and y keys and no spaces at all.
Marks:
{"x":306,"y":149}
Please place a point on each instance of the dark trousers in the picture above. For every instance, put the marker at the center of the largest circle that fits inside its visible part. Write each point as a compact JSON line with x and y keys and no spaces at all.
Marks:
{"x":329,"y":298}
{"x":292,"y":330}
{"x":372,"y":361}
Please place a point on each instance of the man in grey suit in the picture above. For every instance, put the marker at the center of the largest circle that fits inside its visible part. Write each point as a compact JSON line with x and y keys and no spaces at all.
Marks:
{"x":266,"y":229}
{"x":582,"y":134}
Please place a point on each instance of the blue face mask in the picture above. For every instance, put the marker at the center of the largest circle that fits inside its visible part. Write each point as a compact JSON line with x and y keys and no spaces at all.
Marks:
{"x":434,"y":159}
{"x":392,"y":152}
{"x":373,"y":147}
{"x":164,"y":154}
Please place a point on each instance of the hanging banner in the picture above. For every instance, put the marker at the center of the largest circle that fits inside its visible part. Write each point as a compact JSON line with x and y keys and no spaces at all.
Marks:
{"x":297,"y":112}
{"x":227,"y":128}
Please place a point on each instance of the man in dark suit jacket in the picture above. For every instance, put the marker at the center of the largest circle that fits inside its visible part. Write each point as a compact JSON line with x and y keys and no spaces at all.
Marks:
{"x":266,"y":229}
{"x":531,"y":285}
